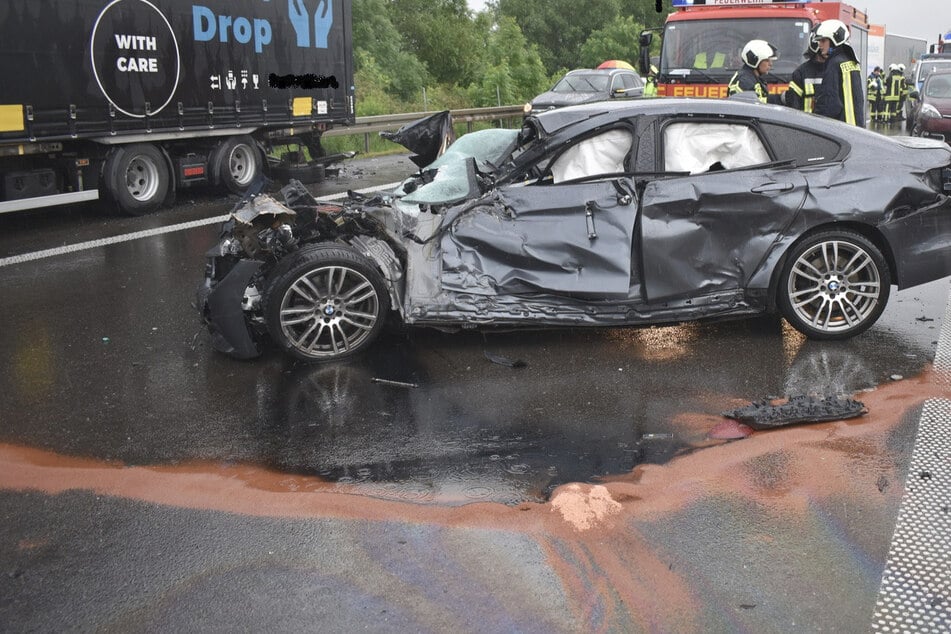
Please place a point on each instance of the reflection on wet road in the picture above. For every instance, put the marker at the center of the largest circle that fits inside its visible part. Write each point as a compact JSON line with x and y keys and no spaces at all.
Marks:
{"x":184,"y":490}
{"x":103,"y":357}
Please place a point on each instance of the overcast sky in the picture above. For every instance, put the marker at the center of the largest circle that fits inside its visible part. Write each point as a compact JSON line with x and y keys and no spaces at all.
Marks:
{"x":917,"y":18}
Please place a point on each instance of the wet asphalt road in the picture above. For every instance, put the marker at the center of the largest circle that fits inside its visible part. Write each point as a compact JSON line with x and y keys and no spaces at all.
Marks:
{"x":105,"y":366}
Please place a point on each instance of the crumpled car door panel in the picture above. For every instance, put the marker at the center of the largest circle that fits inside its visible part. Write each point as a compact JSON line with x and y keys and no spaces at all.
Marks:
{"x":709,"y":232}
{"x":570,"y":239}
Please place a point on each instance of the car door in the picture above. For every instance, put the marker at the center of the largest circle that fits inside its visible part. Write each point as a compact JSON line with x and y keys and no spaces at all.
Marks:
{"x":570,"y":233}
{"x":571,"y":239}
{"x":709,"y":231}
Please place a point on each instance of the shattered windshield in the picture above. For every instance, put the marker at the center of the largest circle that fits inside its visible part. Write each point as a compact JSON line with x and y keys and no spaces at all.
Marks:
{"x":485,"y":146}
{"x":582,"y":82}
{"x":455,"y":169}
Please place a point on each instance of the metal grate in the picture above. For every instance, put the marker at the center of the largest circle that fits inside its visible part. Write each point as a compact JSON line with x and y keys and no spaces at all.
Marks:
{"x":915,"y":594}
{"x":942,"y":356}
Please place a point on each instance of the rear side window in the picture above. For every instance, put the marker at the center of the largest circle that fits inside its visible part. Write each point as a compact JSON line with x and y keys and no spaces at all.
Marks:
{"x":800,"y":146}
{"x":631,"y":81}
{"x":707,"y":146}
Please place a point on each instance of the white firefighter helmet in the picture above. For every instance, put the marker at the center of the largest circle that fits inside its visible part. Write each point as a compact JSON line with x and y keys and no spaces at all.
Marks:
{"x":757,"y":51}
{"x":901,"y":67}
{"x":813,"y":42}
{"x":833,"y":30}
{"x":892,"y":68}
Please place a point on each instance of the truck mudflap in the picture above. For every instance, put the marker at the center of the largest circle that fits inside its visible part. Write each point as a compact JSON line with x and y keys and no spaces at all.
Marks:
{"x":220,"y":305}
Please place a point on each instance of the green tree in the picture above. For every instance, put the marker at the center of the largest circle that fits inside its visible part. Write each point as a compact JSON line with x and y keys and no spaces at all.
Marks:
{"x":618,"y":40}
{"x":513,"y":71}
{"x":558,"y":28}
{"x":396,"y":70}
{"x":371,"y":84}
{"x":645,"y":12}
{"x":441,"y":34}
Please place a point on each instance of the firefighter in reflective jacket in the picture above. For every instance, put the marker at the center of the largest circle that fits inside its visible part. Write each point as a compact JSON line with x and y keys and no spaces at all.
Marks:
{"x":894,"y":87}
{"x":875,"y":87}
{"x":758,"y":57}
{"x":840,"y":95}
{"x":801,"y":94}
{"x":904,"y":92}
{"x":650,"y":84}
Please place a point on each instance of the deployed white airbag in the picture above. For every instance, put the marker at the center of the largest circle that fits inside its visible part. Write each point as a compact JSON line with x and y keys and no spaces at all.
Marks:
{"x":696,"y":147}
{"x":602,"y":154}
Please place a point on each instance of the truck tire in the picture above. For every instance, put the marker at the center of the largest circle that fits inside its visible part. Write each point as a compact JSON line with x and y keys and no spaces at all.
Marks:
{"x":136,"y":177}
{"x":238,"y":163}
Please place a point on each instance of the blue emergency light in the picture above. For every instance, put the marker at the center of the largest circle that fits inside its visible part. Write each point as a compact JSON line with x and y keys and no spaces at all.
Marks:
{"x":731,"y":3}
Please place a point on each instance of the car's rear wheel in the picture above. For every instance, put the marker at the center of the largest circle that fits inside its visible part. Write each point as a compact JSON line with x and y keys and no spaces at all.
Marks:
{"x":834,"y":285}
{"x":325,"y":303}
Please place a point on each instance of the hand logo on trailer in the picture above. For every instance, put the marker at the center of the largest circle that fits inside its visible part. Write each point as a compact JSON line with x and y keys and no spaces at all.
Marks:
{"x":300,"y":20}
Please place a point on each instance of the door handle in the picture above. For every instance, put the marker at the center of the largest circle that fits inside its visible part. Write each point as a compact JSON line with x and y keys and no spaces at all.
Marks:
{"x":772,"y":187}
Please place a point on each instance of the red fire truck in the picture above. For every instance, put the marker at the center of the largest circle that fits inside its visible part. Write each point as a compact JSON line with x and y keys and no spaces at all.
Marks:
{"x":702,"y":40}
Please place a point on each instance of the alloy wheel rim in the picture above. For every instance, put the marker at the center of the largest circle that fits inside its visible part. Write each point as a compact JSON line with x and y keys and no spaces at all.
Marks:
{"x":329,"y":311}
{"x":834,"y":286}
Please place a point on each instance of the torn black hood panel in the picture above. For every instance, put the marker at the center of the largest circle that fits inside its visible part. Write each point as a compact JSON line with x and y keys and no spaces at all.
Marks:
{"x":428,"y":137}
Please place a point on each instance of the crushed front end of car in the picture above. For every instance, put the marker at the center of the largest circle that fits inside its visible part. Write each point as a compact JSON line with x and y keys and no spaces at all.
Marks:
{"x":263,"y":234}
{"x":320,"y":279}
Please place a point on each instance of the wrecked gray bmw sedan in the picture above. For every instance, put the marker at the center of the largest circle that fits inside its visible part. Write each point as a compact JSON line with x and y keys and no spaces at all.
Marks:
{"x":608,"y":214}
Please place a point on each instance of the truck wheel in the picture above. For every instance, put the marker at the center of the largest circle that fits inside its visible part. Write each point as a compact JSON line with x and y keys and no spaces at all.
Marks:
{"x":834,"y":285}
{"x":325,"y":303}
{"x":136,"y":178}
{"x":239,"y":163}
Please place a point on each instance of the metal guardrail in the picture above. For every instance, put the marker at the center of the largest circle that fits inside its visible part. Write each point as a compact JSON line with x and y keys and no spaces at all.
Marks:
{"x":377,"y":123}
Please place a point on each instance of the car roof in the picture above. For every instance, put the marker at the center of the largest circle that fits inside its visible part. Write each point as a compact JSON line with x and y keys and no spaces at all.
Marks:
{"x":932,"y":62}
{"x":606,"y":112}
{"x":599,"y":71}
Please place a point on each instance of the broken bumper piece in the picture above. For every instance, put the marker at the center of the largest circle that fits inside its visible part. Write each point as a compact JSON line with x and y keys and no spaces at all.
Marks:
{"x":220,"y":304}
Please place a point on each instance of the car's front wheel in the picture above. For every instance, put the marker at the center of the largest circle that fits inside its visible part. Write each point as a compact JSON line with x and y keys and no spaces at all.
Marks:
{"x":325,"y":303}
{"x":834,"y":285}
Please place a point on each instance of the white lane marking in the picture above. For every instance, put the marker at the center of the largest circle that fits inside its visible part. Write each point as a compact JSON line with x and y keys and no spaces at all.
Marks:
{"x":93,"y":244}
